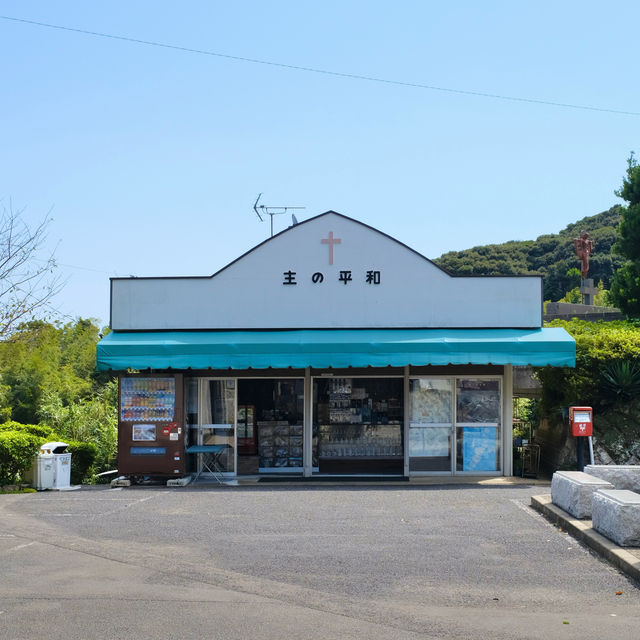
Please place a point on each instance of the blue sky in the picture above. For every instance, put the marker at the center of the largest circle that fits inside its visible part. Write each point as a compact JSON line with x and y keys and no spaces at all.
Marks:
{"x":151,"y":158}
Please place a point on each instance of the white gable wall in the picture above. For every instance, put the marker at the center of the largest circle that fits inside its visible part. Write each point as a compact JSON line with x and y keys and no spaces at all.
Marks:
{"x":251,"y":294}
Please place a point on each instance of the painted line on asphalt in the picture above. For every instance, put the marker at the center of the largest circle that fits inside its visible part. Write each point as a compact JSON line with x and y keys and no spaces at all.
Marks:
{"x":89,"y":501}
{"x":42,"y":514}
{"x":125,"y":506}
{"x":523,"y":506}
{"x":539,"y":517}
{"x":20,"y":546}
{"x":583,"y":531}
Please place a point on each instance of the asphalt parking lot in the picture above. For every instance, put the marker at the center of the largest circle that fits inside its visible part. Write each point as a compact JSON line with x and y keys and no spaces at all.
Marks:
{"x":301,"y":562}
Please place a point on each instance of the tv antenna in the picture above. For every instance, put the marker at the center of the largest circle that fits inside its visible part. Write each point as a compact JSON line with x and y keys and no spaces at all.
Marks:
{"x":273,"y":211}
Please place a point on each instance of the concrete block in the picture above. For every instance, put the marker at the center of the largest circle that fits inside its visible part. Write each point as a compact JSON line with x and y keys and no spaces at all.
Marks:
{"x":179,"y":482}
{"x":616,"y":515}
{"x":621,"y":476}
{"x":573,"y":491}
{"x":121,"y":481}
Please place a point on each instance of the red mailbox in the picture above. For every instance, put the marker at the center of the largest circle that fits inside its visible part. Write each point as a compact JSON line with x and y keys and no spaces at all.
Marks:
{"x":581,"y":421}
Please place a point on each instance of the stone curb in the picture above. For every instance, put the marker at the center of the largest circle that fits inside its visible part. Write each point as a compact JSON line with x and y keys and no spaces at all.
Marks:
{"x":582,"y":530}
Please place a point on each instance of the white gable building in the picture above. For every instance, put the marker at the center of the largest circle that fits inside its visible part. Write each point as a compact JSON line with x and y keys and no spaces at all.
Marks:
{"x":330,"y":348}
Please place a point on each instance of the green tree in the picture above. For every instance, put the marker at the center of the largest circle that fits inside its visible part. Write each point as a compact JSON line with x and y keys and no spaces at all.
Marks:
{"x":42,"y":358}
{"x":625,"y":286}
{"x":573,"y":297}
{"x":32,"y":361}
{"x":574,"y":275}
{"x":602,"y":298}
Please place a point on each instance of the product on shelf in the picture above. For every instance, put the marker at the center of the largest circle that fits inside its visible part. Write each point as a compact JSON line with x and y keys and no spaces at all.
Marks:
{"x":279,"y":444}
{"x":147,"y":399}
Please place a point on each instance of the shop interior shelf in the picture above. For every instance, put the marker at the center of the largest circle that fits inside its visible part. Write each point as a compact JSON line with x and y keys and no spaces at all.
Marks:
{"x":393,"y":457}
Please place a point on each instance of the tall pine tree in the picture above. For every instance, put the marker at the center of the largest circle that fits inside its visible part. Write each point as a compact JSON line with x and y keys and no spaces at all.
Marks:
{"x":625,"y":286}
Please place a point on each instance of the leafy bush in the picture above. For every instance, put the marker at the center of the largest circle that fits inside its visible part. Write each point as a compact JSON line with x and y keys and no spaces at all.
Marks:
{"x":94,"y":421}
{"x":40,"y":430}
{"x":20,"y":443}
{"x":606,"y":377}
{"x":17,"y":451}
{"x":83,"y":455}
{"x":621,"y":379}
{"x":598,"y":346}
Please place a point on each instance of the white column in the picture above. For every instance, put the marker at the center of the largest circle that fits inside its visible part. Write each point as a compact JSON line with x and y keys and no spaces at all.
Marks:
{"x":307,"y":431}
{"x":407,"y":409}
{"x":507,"y":421}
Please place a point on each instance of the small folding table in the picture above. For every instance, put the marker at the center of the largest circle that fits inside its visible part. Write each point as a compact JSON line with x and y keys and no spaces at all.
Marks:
{"x":211,"y":454}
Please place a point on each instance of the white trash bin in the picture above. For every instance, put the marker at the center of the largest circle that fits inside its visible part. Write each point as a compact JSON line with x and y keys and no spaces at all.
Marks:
{"x":44,"y":470}
{"x":61,"y":464}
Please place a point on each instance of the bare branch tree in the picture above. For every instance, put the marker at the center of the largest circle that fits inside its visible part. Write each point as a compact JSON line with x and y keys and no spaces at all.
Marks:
{"x":27,"y":281}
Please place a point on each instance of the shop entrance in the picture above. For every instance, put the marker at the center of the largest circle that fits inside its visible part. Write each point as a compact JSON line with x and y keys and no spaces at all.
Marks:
{"x":270,"y":425}
{"x":431,"y":430}
{"x":210,"y":422}
{"x":358,"y":425}
{"x":454,"y":425}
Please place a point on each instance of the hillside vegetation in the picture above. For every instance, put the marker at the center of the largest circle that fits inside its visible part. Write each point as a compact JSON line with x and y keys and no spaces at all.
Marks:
{"x":49,"y":391}
{"x":550,"y":255}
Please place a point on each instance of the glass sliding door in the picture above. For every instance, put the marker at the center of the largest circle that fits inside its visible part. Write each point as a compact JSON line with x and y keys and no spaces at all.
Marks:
{"x":455,"y":425}
{"x":478,"y":433}
{"x":211,"y":420}
{"x":430,"y":425}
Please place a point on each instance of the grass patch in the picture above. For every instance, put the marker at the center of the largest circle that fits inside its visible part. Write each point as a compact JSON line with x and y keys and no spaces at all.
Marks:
{"x":25,"y":490}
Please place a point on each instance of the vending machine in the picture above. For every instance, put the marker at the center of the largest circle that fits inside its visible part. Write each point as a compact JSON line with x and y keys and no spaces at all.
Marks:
{"x":151,"y":435}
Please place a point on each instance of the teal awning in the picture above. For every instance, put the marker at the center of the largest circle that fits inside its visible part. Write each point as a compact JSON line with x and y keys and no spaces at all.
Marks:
{"x":337,"y":348}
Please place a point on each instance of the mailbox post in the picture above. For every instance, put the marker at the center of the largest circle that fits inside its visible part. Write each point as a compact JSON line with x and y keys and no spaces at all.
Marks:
{"x":581,"y":424}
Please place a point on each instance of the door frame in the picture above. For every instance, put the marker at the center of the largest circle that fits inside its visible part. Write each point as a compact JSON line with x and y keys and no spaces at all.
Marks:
{"x":503,"y":458}
{"x":201,"y":380}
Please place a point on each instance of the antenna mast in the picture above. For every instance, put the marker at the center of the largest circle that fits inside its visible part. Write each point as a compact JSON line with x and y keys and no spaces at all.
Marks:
{"x":272,"y":211}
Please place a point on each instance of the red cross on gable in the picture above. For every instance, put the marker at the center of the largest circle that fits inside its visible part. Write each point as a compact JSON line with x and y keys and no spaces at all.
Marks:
{"x":331,"y":241}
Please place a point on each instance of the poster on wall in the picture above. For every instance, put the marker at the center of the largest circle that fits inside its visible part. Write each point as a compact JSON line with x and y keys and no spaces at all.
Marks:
{"x":479,"y":449}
